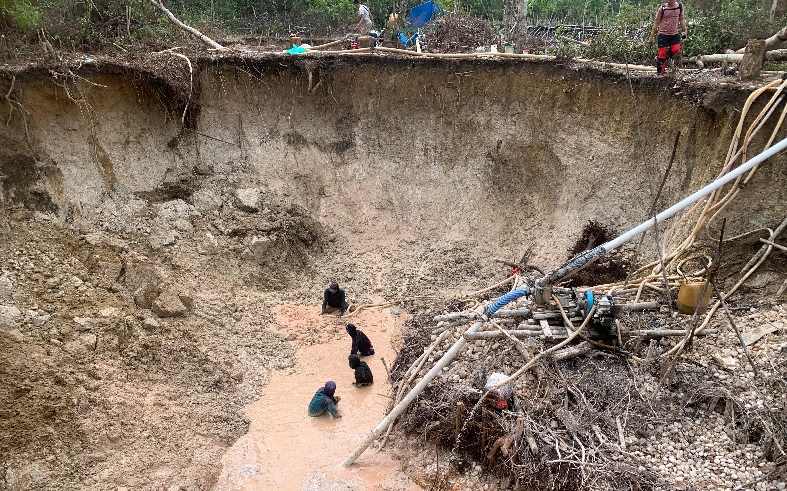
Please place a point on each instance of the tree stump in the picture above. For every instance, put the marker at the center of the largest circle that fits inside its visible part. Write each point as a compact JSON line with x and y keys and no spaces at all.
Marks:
{"x":751,"y":65}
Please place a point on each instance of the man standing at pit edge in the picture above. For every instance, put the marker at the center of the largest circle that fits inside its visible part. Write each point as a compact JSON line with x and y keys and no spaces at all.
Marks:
{"x":365,"y":17}
{"x":666,"y":24}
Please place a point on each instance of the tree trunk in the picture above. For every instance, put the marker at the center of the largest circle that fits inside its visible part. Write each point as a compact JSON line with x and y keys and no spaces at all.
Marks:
{"x":205,"y":39}
{"x":772,"y":42}
{"x":774,"y":55}
{"x":778,"y":8}
{"x":751,"y":64}
{"x":520,"y":21}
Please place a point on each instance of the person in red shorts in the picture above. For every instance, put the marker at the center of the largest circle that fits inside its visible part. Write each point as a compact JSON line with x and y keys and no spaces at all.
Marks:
{"x":668,"y":16}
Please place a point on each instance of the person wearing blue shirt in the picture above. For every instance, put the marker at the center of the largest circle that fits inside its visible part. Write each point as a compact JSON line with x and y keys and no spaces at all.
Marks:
{"x":324,"y":401}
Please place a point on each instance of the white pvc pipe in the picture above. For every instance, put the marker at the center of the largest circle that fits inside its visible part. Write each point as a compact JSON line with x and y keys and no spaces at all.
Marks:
{"x":669,"y":212}
{"x":457,"y":347}
{"x":396,"y":411}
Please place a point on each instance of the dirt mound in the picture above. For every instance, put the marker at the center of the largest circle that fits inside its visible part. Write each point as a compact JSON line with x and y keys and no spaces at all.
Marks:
{"x":461,"y":34}
{"x":610,"y":268}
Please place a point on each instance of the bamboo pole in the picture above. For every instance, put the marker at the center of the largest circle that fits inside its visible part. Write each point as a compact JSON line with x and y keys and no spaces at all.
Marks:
{"x":409,"y":398}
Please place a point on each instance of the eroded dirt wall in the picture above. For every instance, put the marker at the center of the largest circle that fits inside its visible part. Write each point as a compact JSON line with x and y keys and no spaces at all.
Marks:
{"x":391,"y":165}
{"x":107,"y":137}
{"x":503,"y":152}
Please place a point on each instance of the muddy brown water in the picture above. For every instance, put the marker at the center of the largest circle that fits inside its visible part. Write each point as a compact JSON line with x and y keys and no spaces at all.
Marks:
{"x":285,"y":449}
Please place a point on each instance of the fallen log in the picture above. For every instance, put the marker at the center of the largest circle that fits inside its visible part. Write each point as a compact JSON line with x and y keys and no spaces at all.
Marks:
{"x":327,"y":45}
{"x":635,"y":307}
{"x":473,"y":315}
{"x":205,"y":39}
{"x":558,"y":333}
{"x":581,"y":349}
{"x":771,"y":42}
{"x":773,"y":55}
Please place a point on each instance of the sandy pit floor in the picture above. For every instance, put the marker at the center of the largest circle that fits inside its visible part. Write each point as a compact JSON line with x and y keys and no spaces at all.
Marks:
{"x":285,"y":449}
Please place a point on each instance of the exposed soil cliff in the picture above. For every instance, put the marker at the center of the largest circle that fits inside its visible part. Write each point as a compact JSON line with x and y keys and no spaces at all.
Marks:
{"x":150,"y":224}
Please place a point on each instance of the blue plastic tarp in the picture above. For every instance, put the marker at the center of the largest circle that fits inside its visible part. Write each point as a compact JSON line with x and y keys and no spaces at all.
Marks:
{"x":421,"y":14}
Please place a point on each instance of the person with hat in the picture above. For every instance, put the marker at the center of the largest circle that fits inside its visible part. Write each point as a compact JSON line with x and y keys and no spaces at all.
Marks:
{"x":361,"y":345}
{"x":324,"y":401}
{"x":363,"y":374}
{"x":333,"y":299}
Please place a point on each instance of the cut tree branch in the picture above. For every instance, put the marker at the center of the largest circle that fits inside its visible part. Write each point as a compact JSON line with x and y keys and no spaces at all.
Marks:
{"x":773,"y":41}
{"x":205,"y":39}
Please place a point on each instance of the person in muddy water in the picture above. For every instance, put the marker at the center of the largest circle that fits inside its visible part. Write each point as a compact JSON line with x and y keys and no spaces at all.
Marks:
{"x":324,"y":401}
{"x":668,"y":16}
{"x":363,"y":374}
{"x":361,"y":345}
{"x":333,"y":299}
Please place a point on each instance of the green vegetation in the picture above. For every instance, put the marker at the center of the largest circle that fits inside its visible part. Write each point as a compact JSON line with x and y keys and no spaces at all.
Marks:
{"x":85,"y":24}
{"x":19,"y":14}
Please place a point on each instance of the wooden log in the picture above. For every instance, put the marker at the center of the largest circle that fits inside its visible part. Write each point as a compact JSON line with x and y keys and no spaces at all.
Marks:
{"x":561,"y":333}
{"x":581,"y":349}
{"x":205,"y":39}
{"x":635,"y":307}
{"x":524,"y":326}
{"x":751,"y":64}
{"x":460,"y":413}
{"x":621,"y":434}
{"x":572,"y":40}
{"x":546,"y":329}
{"x":326,"y":45}
{"x":772,"y":42}
{"x":775,"y":55}
{"x":474,"y":315}
{"x":549,"y":315}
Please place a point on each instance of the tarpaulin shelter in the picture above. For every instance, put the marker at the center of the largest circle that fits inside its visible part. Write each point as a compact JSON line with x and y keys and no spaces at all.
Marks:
{"x":421,"y":14}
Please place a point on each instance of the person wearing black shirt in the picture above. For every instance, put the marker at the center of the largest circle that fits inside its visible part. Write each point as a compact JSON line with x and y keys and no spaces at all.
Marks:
{"x":333,"y":299}
{"x":363,"y":374}
{"x":361,"y":344}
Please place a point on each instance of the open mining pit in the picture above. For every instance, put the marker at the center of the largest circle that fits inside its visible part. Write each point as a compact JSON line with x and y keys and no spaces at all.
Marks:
{"x":167,"y":230}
